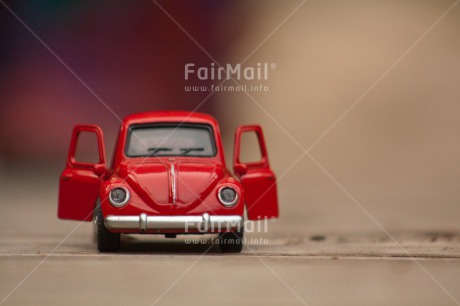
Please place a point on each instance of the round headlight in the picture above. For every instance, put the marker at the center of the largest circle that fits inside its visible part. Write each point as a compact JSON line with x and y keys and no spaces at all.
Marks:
{"x":119,"y":196}
{"x":228,"y":196}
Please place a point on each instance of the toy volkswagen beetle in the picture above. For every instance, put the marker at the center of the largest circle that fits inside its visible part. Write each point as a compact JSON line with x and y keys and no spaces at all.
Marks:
{"x":168,"y":176}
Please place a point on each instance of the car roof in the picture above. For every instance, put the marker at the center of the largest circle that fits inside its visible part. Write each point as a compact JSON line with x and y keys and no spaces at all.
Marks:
{"x":169,"y":116}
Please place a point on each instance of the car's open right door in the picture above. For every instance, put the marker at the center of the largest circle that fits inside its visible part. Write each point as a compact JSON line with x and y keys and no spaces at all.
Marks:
{"x":258,"y":180}
{"x":79,"y":182}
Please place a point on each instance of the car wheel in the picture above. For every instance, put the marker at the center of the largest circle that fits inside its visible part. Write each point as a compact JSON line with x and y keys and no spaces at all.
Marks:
{"x":231,"y":242}
{"x":106,"y":240}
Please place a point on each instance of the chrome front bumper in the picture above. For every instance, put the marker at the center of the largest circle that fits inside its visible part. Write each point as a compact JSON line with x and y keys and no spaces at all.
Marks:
{"x":203,"y":224}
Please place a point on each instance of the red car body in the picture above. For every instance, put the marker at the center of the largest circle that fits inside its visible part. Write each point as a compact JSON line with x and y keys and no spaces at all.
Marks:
{"x":161,"y":182}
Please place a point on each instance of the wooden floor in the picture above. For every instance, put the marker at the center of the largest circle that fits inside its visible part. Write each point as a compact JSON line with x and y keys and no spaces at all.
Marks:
{"x":46,"y":261}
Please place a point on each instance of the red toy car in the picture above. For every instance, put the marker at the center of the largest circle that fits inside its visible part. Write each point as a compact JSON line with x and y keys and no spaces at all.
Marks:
{"x":168,"y":176}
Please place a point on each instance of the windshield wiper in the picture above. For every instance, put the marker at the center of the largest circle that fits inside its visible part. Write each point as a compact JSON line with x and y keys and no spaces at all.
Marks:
{"x":154,"y":151}
{"x":185,"y":151}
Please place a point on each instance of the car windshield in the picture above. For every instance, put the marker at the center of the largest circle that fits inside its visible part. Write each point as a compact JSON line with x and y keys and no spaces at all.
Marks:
{"x":170,"y":140}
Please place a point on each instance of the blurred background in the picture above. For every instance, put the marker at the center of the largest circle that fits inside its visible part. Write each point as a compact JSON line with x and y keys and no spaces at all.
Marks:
{"x":396,"y":152}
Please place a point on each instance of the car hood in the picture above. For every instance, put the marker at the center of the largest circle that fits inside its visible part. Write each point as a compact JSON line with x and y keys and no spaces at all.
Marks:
{"x":173,"y":182}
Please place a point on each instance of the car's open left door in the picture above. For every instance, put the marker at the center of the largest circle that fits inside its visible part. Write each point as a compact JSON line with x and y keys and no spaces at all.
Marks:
{"x":80,"y":180}
{"x":257,"y":178}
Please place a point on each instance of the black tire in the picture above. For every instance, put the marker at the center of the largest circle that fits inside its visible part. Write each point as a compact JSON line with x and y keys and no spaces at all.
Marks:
{"x":232,"y":242}
{"x":106,"y":240}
